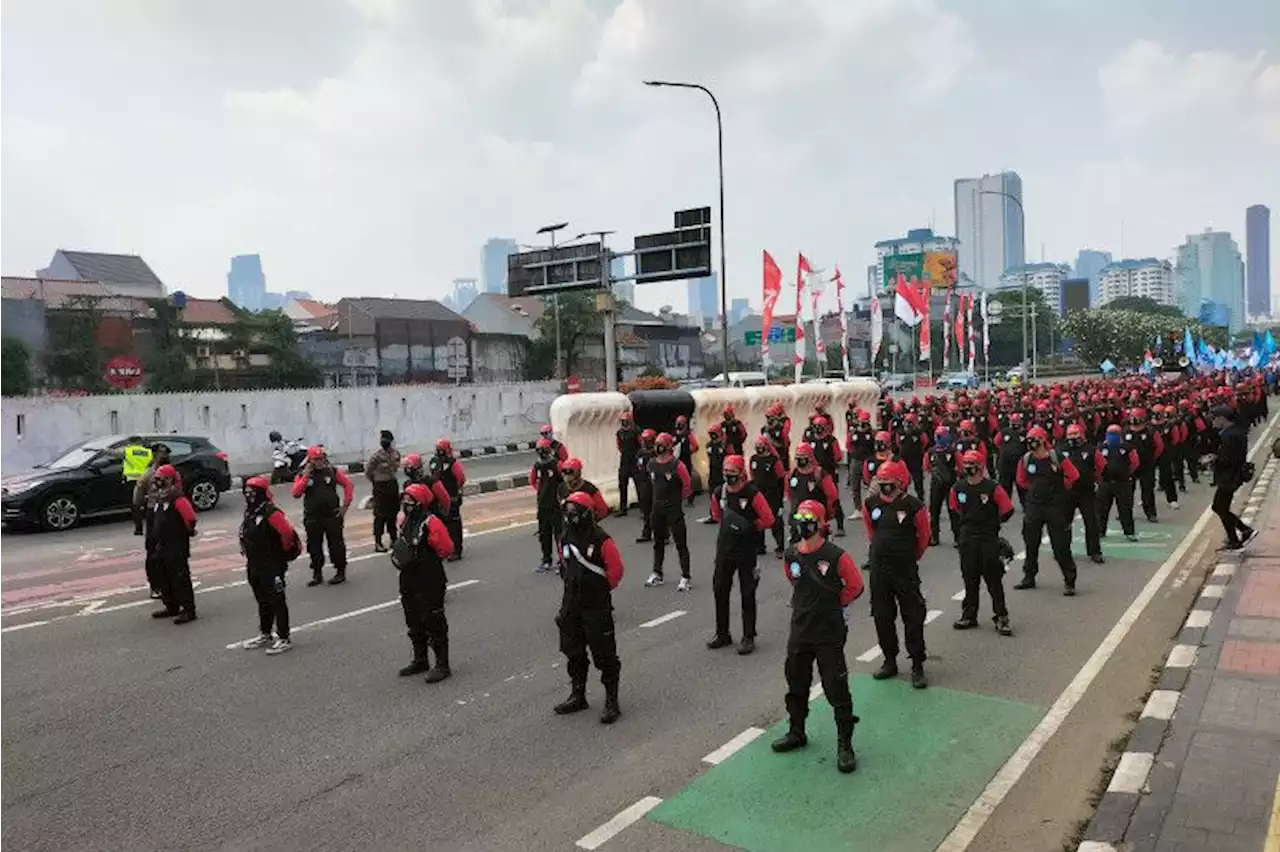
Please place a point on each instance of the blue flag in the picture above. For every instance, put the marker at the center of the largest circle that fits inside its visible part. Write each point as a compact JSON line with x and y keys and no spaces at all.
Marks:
{"x":1188,"y":348}
{"x":1268,"y":346}
{"x":1107,"y":367}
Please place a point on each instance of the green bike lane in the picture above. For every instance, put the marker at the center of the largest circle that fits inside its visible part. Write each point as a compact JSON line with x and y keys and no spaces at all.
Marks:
{"x":923,"y":756}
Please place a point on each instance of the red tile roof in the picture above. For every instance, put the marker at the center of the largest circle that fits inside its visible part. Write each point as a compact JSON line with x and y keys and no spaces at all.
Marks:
{"x":318,"y":310}
{"x":208,"y":312}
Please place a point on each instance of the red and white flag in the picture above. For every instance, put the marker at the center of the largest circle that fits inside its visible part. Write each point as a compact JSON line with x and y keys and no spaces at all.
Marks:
{"x":802,"y":271}
{"x":986,"y":331}
{"x":959,"y":329}
{"x":926,"y":335}
{"x":877,"y":328}
{"x":973,"y":347}
{"x":907,"y":304}
{"x":844,"y":325}
{"x":946,"y":331}
{"x":772,"y":289}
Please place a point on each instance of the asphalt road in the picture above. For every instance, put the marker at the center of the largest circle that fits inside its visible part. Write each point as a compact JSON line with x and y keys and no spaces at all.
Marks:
{"x":120,"y":732}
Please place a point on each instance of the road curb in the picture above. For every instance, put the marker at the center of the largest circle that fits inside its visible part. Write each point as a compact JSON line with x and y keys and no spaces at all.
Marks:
{"x":1141,"y":790}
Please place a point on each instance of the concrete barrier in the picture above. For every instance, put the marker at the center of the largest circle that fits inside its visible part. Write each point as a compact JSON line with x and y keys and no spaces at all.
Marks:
{"x":586,"y":423}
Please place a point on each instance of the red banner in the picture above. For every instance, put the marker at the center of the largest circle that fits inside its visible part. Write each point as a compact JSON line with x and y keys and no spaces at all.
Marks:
{"x":772,"y":289}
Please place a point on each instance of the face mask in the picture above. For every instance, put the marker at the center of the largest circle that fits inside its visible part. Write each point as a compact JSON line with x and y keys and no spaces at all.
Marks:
{"x":1033,"y":443}
{"x":1076,"y":442}
{"x":579,"y":519}
{"x":544,"y":455}
{"x":732,"y":478}
{"x":802,"y":462}
{"x":253,"y":497}
{"x":409,"y":506}
{"x":1113,"y":440}
{"x":807,"y":527}
{"x":888,"y":489}
{"x":572,"y":478}
{"x":970,"y":470}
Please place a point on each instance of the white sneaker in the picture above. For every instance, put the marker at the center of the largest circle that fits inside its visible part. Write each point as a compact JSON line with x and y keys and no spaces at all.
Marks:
{"x":685,"y":585}
{"x":280,"y":646}
{"x":855,"y":515}
{"x":257,"y":642}
{"x":1173,"y":505}
{"x":655,"y":579}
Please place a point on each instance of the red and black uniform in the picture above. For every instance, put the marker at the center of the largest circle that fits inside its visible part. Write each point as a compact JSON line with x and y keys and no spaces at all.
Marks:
{"x":717,"y":450}
{"x":912,"y":443}
{"x":778,"y":431}
{"x":441,"y":502}
{"x":171,"y":522}
{"x":671,"y":487}
{"x":981,"y":507}
{"x":627,"y":439}
{"x":769,"y":478}
{"x":862,"y":440}
{"x":899,"y":535}
{"x":592,"y":570}
{"x":828,"y":455}
{"x":323,"y":516}
{"x":743,"y":516}
{"x":1149,"y":447}
{"x":452,"y":476}
{"x":419,"y":555}
{"x":1115,"y":483}
{"x":1046,"y":480}
{"x":941,"y":463}
{"x":644,"y":487}
{"x":811,"y":484}
{"x":735,"y":435}
{"x":599,"y":507}
{"x":545,"y":479}
{"x":1170,"y":461}
{"x":268,"y":541}
{"x":1088,"y":462}
{"x":686,"y":445}
{"x":1011,"y":444}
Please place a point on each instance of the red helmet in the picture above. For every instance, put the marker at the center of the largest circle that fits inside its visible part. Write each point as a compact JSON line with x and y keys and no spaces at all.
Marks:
{"x":546,"y":431}
{"x":1138,"y":414}
{"x":411,"y":461}
{"x":713,"y":429}
{"x":648,"y":435}
{"x":443,"y":444}
{"x":941,"y":430}
{"x":763,"y":444}
{"x":419,"y":493}
{"x":1075,"y":431}
{"x":883,"y":437}
{"x":313,"y":454}
{"x":804,"y":450}
{"x":682,"y":421}
{"x":543,"y":444}
{"x":1038,"y":433}
{"x":966,"y":425}
{"x":728,"y":409}
{"x":895,"y":471}
{"x":582,"y":499}
{"x":571,"y":464}
{"x":814,"y":509}
{"x":1114,"y":428}
{"x":971,"y":457}
{"x":1015,"y":418}
{"x":734,"y":463}
{"x":258,"y":483}
{"x":664,"y":442}
{"x":166,"y":471}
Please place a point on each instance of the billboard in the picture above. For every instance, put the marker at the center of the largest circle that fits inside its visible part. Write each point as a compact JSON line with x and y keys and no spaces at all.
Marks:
{"x":936,"y":267}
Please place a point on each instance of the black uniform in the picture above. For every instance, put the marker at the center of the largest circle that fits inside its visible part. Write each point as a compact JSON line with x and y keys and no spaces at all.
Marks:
{"x":323,"y":522}
{"x":824,"y":453}
{"x":716,"y":451}
{"x":547,"y":478}
{"x":266,"y":563}
{"x":895,"y":575}
{"x":1046,"y":496}
{"x":736,"y":555}
{"x":628,"y":440}
{"x":1013,"y":444}
{"x":942,"y":475}
{"x":735,"y":436}
{"x":668,"y":514}
{"x":1228,"y":476}
{"x":862,"y":442}
{"x":1082,"y":495}
{"x":422,"y":586}
{"x":441,"y":468}
{"x":911,"y":449}
{"x":1115,"y":484}
{"x":980,"y":520}
{"x":169,"y":538}
{"x":644,"y":490}
{"x":1143,"y":441}
{"x":766,"y":480}
{"x":684,"y":452}
{"x":805,"y":486}
{"x":585,"y":620}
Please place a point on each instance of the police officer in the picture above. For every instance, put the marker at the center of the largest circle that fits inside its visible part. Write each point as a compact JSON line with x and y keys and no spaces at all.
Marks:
{"x":268,"y":542}
{"x":135,"y":459}
{"x":1088,"y":461}
{"x":323,"y":514}
{"x":1115,"y":481}
{"x":769,"y":476}
{"x":627,"y":439}
{"x":744,"y":515}
{"x":1047,"y":477}
{"x":545,"y":479}
{"x":452,"y":476}
{"x":824,"y":582}
{"x":671,"y":486}
{"x":381,"y":470}
{"x":571,"y":470}
{"x":982,"y":506}
{"x":171,"y":523}
{"x":898,"y":529}
{"x":418,"y":554}
{"x":592,"y":570}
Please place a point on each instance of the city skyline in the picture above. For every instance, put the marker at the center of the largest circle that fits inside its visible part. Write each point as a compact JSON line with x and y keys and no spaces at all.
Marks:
{"x":1257,"y":238}
{"x":989,"y":227}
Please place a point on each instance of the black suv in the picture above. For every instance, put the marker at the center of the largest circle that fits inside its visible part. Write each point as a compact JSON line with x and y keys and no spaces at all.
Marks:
{"x":87,"y":481}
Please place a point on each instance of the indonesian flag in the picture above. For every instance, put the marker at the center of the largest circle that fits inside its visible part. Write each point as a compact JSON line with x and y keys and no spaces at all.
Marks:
{"x":844,"y":324}
{"x":986,"y":331}
{"x":959,"y":329}
{"x":772,"y":289}
{"x":802,"y":270}
{"x":908,"y":306}
{"x":973,"y":347}
{"x":926,"y":334}
{"x":946,"y":331}
{"x":819,"y":345}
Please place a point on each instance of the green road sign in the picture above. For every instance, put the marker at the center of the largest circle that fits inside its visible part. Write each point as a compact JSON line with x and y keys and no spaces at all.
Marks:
{"x":777,"y":334}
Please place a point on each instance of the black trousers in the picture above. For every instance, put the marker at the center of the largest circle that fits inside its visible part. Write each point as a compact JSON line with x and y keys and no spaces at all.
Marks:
{"x":896,"y":589}
{"x":1168,"y":482}
{"x":1008,"y":475}
{"x":422,"y":600}
{"x":385,"y":504}
{"x":856,"y":485}
{"x":453,"y":524}
{"x":1147,"y":488}
{"x":588,"y":630}
{"x":322,"y":531}
{"x":915,"y":466}
{"x":748,"y":574}
{"x":1035,"y":522}
{"x":834,"y":473}
{"x":672,"y":525}
{"x":1121,"y":493}
{"x":273,"y":607}
{"x":549,"y":522}
{"x":1231,"y":523}
{"x":624,"y":483}
{"x":644,"y":496}
{"x":155,"y":572}
{"x":832,"y":671}
{"x":938,"y":493}
{"x":1083,"y":499}
{"x":1179,"y":465}
{"x":176,"y":591}
{"x":138,"y":513}
{"x":980,"y":563}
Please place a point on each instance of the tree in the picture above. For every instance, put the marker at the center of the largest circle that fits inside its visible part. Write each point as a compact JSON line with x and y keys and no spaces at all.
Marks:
{"x":168,"y":365}
{"x":74,"y":358}
{"x":15,"y":368}
{"x":1125,"y":336}
{"x":286,"y":367}
{"x":579,"y":322}
{"x":1144,"y":305}
{"x":540,"y":360}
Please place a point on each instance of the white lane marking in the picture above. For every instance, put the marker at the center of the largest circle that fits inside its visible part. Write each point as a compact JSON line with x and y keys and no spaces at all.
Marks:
{"x":816,"y":691}
{"x":1214,"y":591}
{"x":1198,"y":618}
{"x":93,"y":607}
{"x":22,"y":626}
{"x":1224,"y":569}
{"x":1016,"y":766}
{"x":1182,"y":657}
{"x":1161,"y":704}
{"x":343,"y":616}
{"x":958,"y":596}
{"x":873,"y":654}
{"x":613,"y":827}
{"x":1181,"y":580}
{"x":1131,"y":773}
{"x":728,"y":749}
{"x":129,"y":605}
{"x":1095,"y":846}
{"x":663,"y":619}
{"x":932,"y":615}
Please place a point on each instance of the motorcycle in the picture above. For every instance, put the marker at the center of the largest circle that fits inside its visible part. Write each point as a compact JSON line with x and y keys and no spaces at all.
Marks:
{"x":287,"y":459}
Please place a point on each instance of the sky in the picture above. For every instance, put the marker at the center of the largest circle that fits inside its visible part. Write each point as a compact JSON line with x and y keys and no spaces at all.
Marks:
{"x":370,"y":147}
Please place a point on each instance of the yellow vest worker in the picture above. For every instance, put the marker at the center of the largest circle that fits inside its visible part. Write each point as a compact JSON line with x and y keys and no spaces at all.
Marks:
{"x":137,"y":458}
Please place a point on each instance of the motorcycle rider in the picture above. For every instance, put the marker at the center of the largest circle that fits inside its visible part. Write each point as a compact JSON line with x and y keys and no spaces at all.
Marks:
{"x":269,"y":543}
{"x":418,"y":554}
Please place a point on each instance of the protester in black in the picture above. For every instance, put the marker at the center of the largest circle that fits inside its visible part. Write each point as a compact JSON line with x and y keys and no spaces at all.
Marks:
{"x":1088,"y":462}
{"x":1149,"y":447}
{"x":671,"y":486}
{"x":769,"y":477}
{"x":941,"y":463}
{"x":545,"y":479}
{"x":324,"y":514}
{"x":982,"y":506}
{"x":1116,"y":480}
{"x":686,"y":446}
{"x":1047,"y":477}
{"x":743,"y":514}
{"x":717,"y":449}
{"x":171,"y":523}
{"x":644,"y":486}
{"x":452,"y":476}
{"x":1229,"y":474}
{"x":419,"y":553}
{"x":627,"y":439}
{"x":269,"y":543}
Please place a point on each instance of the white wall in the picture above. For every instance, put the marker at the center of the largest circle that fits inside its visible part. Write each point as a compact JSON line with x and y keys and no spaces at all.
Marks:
{"x":345,"y":420}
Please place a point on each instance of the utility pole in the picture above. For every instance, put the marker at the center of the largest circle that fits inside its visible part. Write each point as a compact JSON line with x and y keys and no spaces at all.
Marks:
{"x":550,"y":231}
{"x":605,"y":304}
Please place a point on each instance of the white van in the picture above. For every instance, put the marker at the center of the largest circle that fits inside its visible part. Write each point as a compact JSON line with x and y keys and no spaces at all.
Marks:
{"x":742,"y":380}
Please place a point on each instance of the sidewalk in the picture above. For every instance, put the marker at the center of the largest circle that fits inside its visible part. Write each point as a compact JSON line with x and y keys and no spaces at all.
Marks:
{"x":1201,"y":771}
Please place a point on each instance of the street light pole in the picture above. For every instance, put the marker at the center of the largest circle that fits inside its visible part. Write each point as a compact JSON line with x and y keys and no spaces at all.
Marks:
{"x":724,"y":303}
{"x":610,"y":340}
{"x":1022,"y":219}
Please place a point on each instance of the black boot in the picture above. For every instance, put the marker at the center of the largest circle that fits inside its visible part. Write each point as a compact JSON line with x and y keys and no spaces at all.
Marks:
{"x":888,"y":669}
{"x":611,"y":710}
{"x":440,"y":670}
{"x":1025,"y":583}
{"x":720,"y":640}
{"x":185,"y":617}
{"x":577,"y":700}
{"x":918,"y":680}
{"x":793,"y":739}
{"x":378,"y":546}
{"x":846,"y":760}
{"x":167,"y":612}
{"x":317,"y":578}
{"x":339,"y":577}
{"x":419,"y":663}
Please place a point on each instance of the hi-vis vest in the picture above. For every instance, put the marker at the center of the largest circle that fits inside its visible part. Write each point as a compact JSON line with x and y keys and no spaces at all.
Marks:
{"x":137,"y":459}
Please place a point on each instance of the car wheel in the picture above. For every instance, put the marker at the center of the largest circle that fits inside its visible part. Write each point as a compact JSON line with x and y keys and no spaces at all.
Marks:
{"x":204,"y":495}
{"x":60,"y":513}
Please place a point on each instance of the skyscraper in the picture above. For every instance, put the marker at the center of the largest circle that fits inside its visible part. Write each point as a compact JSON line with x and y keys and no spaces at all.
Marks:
{"x":493,"y":263}
{"x":1257,"y":246}
{"x":1089,"y":263}
{"x":464,"y":293}
{"x":1209,"y":270}
{"x":703,"y":299}
{"x":738,"y":309}
{"x":989,"y":227}
{"x":246,"y":284}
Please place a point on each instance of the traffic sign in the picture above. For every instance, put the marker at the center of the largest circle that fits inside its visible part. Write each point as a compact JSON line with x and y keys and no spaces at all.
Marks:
{"x":457,"y":359}
{"x":573,"y":384}
{"x":124,"y":372}
{"x":994,"y":308}
{"x":555,"y":270}
{"x":777,"y":334}
{"x":679,"y":254}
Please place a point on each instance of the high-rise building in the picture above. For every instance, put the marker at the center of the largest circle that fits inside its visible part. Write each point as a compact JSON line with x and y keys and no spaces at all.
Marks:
{"x":1045,"y":277}
{"x":1143,"y":277}
{"x":624,"y":290}
{"x":1257,"y":246}
{"x":246,"y":285}
{"x":464,"y":293}
{"x":989,"y":226}
{"x":738,"y":309}
{"x":493,"y":263}
{"x":704,"y":299}
{"x":1090,"y":262}
{"x":1210,"y":270}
